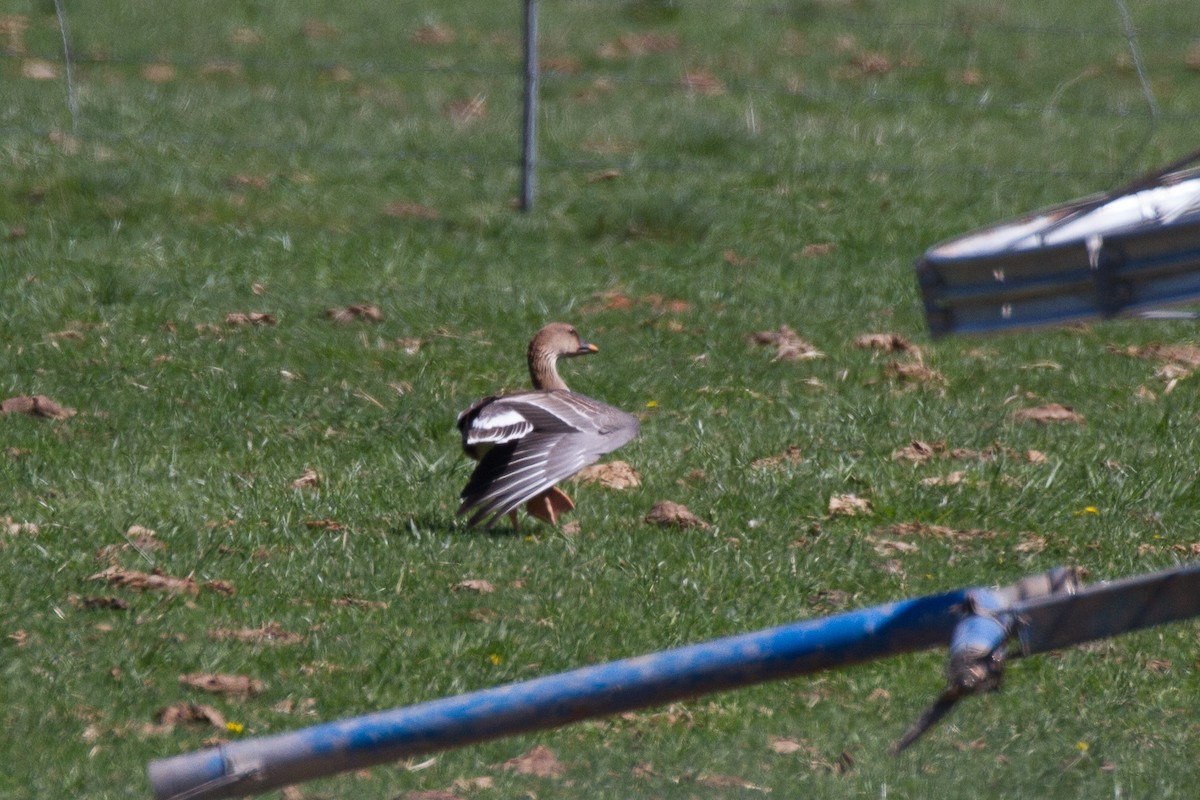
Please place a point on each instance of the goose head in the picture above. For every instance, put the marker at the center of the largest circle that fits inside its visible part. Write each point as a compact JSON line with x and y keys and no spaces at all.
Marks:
{"x":556,"y":340}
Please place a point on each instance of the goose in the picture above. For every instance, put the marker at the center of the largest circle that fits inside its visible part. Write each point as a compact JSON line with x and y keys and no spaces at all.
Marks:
{"x":526,"y":442}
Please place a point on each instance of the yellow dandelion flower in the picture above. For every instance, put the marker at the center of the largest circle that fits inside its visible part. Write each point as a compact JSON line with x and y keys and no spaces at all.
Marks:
{"x":1087,"y":510}
{"x":234,"y":727}
{"x":495,"y":659}
{"x":1081,"y":747}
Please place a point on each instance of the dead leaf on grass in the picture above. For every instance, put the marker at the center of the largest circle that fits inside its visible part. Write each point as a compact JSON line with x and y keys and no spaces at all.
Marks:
{"x":937,"y":531}
{"x":891,"y":547}
{"x":356,"y":312}
{"x":786,"y":747}
{"x":868,"y":63}
{"x":829,"y":599}
{"x":310,"y":479}
{"x":970,"y":77}
{"x":913,"y":372}
{"x":37,"y":69}
{"x":1031,"y":543}
{"x":952,"y":479}
{"x":788,"y":345}
{"x":98,"y":603}
{"x":477,"y":585}
{"x":8,"y":526}
{"x":222,"y":66}
{"x":667,"y":514}
{"x":37,"y":406}
{"x":184,"y":713}
{"x":153,"y":581}
{"x":305,"y":707}
{"x":245,"y":36}
{"x":411,"y":345}
{"x":235,"y":318}
{"x":474,"y":784}
{"x":734,"y":260}
{"x":217,"y":683}
{"x":671,"y":305}
{"x":158,"y":73}
{"x":1183,"y":354}
{"x":609,"y":301}
{"x":1172,"y":373}
{"x":604,"y":175}
{"x":1162,"y":666}
{"x":637,"y":44}
{"x":817,"y":249}
{"x":792,"y":455}
{"x":12,"y":30}
{"x":703,"y":82}
{"x":848,"y":505}
{"x":465,"y":112}
{"x":887,"y":342}
{"x":919,"y":451}
{"x":244,"y":180}
{"x":142,"y":539}
{"x":271,"y":633}
{"x":1051,"y":412}
{"x":221,"y":587}
{"x":612,"y":475}
{"x":540,"y":762}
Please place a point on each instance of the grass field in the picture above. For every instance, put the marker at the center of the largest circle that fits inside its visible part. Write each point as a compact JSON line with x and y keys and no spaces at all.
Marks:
{"x":710,"y":171}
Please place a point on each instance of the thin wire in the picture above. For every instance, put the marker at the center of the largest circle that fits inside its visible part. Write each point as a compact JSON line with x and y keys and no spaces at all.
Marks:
{"x":1143,"y":79}
{"x":72,"y":99}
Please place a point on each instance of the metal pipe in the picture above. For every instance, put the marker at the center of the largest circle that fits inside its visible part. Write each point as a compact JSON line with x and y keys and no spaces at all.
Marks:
{"x":257,"y":765}
{"x":529,"y":109}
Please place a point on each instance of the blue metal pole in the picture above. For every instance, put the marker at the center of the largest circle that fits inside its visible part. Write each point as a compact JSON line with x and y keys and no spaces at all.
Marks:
{"x":257,"y":765}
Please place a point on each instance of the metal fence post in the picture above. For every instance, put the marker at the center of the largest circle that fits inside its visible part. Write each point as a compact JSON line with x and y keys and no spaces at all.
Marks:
{"x":529,"y":117}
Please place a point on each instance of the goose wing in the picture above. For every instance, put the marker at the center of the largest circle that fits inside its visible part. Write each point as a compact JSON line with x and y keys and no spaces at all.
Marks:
{"x":530,"y":441}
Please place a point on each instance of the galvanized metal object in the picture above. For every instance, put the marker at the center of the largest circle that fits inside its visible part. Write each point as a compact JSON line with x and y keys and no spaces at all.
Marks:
{"x":1133,"y":249}
{"x":529,"y":106}
{"x":1048,"y":620}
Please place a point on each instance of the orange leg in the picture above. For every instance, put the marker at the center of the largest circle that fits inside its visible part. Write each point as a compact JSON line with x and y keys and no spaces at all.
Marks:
{"x":549,"y":504}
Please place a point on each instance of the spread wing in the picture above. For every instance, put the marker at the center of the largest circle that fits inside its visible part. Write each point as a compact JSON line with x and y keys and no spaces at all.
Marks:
{"x":528,"y":442}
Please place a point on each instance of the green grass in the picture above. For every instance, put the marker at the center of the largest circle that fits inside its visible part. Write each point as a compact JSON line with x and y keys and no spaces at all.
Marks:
{"x":265,"y":186}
